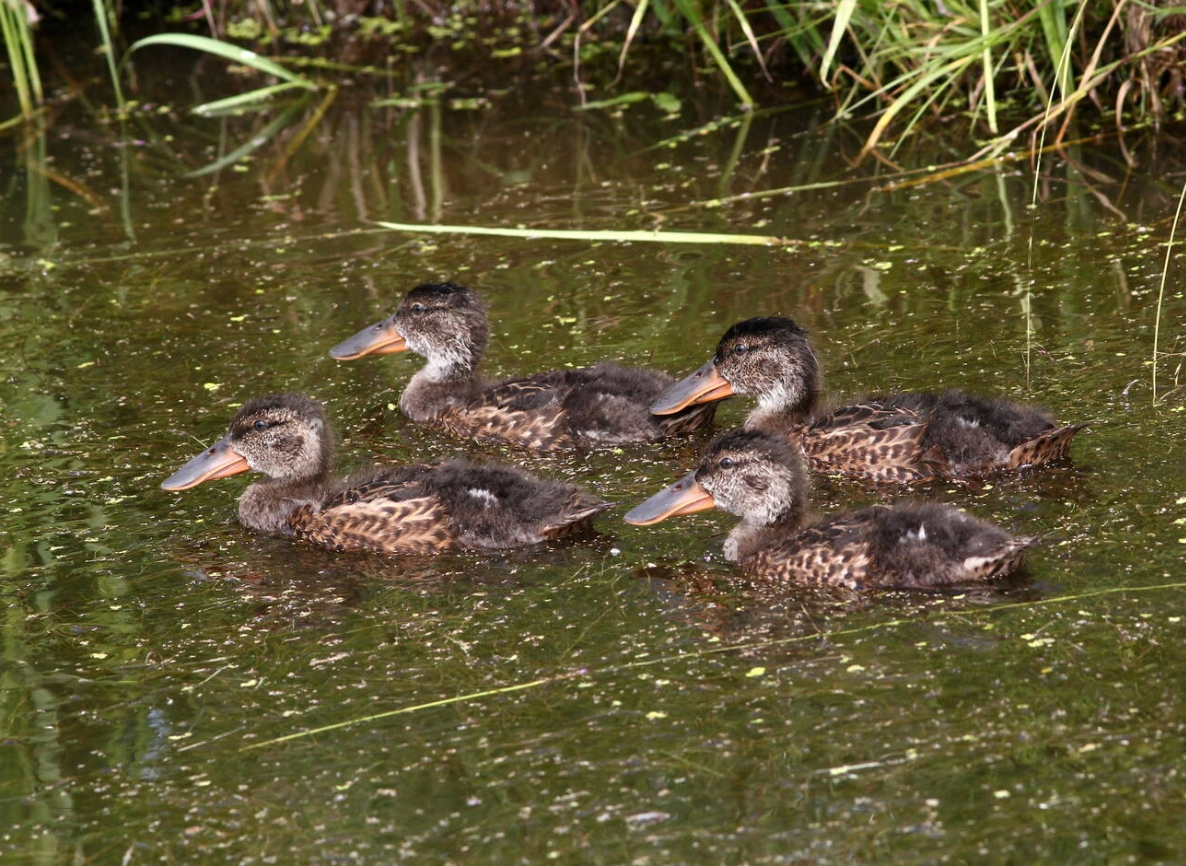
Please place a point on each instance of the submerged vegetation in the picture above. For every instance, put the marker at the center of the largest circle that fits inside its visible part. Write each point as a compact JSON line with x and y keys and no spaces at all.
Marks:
{"x":1013,"y":79}
{"x":1004,"y":70}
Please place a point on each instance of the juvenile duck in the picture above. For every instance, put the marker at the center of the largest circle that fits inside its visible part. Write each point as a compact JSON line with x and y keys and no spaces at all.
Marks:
{"x":590,"y":406}
{"x":410,"y":509}
{"x":898,"y":438}
{"x":761,"y":478}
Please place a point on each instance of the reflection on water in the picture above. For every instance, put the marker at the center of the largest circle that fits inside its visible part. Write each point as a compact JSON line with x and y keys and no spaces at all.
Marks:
{"x":625,"y":698}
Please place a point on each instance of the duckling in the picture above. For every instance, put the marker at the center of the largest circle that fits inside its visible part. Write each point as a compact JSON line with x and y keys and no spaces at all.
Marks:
{"x":900,"y":438}
{"x":761,"y":478}
{"x":605,"y":404}
{"x":410,"y":509}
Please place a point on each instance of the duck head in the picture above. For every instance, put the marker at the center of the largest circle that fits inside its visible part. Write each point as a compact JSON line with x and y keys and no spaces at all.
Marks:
{"x":755,"y":475}
{"x":444,"y":322}
{"x":769,"y":358}
{"x":284,"y":436}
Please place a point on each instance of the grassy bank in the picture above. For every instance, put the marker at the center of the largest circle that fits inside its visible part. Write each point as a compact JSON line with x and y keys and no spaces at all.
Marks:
{"x":1004,"y":70}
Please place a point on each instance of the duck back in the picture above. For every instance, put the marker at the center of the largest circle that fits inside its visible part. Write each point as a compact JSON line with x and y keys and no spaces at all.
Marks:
{"x":978,"y":434}
{"x":457,"y":505}
{"x":905,"y":546}
{"x":605,"y":404}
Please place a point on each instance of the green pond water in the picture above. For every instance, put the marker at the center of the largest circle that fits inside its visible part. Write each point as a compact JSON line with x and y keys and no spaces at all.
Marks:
{"x":175,"y":689}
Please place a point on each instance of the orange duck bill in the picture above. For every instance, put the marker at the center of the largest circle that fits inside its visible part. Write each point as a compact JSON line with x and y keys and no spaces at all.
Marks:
{"x":705,"y":385}
{"x":217,"y":461}
{"x":379,"y":339}
{"x":685,"y":496}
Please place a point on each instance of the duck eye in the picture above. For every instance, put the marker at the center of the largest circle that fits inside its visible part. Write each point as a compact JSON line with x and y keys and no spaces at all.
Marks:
{"x":417,"y":308}
{"x":261,"y":424}
{"x":740,"y":349}
{"x":727,"y":463}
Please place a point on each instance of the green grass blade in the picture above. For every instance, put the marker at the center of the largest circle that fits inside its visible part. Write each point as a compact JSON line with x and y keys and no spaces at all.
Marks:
{"x":226,"y":50}
{"x":233,"y":103}
{"x":628,"y":98}
{"x":692,"y":14}
{"x":256,"y":142}
{"x":990,"y":96}
{"x":844,"y":11}
{"x":592,"y":236}
{"x":1054,"y":29}
{"x":635,"y":22}
{"x":780,"y":14}
{"x":666,"y":15}
{"x":100,"y":8}
{"x":927,"y":80}
{"x":16,"y":58}
{"x":18,"y":43}
{"x":750,"y":37}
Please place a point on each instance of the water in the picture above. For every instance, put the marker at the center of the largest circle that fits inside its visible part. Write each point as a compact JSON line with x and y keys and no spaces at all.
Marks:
{"x":177,"y":689}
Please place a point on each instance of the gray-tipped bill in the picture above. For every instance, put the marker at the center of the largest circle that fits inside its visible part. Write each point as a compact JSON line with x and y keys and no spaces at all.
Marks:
{"x":380,"y":338}
{"x":705,"y":385}
{"x":217,"y":461}
{"x":685,"y":496}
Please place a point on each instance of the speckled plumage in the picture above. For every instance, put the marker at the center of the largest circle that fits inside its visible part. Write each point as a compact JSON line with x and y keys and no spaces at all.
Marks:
{"x":760,"y":477}
{"x":900,"y":438}
{"x":410,"y":509}
{"x":605,"y":404}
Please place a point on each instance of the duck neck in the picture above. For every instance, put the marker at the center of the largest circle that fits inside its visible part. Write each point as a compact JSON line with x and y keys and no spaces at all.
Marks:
{"x":784,"y":407}
{"x":268,"y":505}
{"x":437,"y":387}
{"x":751,"y":535}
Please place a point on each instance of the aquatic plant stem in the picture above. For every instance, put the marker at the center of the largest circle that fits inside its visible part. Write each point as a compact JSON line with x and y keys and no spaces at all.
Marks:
{"x":711,"y":651}
{"x":100,"y":7}
{"x":443,"y":702}
{"x":601,"y":236}
{"x":1061,"y":83}
{"x":990,"y":97}
{"x":1165,"y":269}
{"x":690,"y":12}
{"x":18,"y":43}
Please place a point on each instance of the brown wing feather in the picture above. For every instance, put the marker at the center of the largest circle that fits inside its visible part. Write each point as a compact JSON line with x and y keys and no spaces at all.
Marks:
{"x":541,"y":429}
{"x":1051,"y":445}
{"x":560,"y":410}
{"x":869,"y":439}
{"x":839,"y":553}
{"x":827,"y":554}
{"x":391,"y":513}
{"x":419,"y":525}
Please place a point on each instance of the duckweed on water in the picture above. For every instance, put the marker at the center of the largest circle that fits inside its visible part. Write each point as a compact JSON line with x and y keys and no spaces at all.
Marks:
{"x":178,"y":688}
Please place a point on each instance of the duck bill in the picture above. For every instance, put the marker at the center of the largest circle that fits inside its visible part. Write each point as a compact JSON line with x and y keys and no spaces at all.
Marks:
{"x":217,"y":461}
{"x":705,"y":385}
{"x":685,"y":496}
{"x":378,"y":339}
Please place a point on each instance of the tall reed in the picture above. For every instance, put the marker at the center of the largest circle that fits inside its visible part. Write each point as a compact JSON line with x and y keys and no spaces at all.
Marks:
{"x":16,"y":24}
{"x":901,"y":63}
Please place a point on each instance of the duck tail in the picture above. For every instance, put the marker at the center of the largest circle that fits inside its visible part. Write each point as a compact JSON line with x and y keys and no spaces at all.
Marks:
{"x":1000,"y":562}
{"x":576,"y":516}
{"x":1048,"y":446}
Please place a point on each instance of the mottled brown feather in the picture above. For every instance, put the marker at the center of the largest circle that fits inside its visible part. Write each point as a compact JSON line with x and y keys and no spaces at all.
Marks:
{"x":899,"y":438}
{"x":1049,"y":446}
{"x":604,"y":404}
{"x":869,"y":440}
{"x":538,"y":429}
{"x":760,"y":477}
{"x":409,"y":509}
{"x":826,"y":554}
{"x":408,"y":526}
